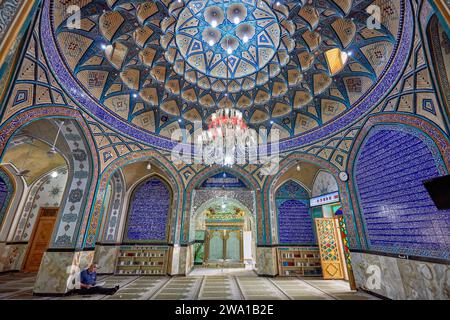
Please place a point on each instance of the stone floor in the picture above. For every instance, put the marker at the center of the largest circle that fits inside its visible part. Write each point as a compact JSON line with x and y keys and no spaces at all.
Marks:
{"x":210,"y":286}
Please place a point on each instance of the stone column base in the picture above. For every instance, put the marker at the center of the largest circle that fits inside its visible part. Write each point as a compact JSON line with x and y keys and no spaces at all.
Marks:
{"x":266,"y":261}
{"x":12,"y":256}
{"x":58,"y":270}
{"x":106,"y":257}
{"x":178,"y":261}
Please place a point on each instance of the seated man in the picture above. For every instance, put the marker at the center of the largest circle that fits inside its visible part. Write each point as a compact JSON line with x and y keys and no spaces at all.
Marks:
{"x":88,"y":279}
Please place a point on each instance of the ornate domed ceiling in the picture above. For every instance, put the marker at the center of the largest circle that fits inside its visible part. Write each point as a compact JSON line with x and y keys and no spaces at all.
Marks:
{"x":292,"y":65}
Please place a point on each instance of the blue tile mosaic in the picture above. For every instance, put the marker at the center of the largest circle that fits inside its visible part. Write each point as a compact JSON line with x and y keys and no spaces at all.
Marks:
{"x":223,"y":180}
{"x":399,"y":214}
{"x":6,"y":192}
{"x":149,"y":212}
{"x":3,"y":194}
{"x":295,"y":225}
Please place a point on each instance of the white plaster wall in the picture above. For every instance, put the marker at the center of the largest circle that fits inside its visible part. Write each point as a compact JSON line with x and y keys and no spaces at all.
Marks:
{"x":46,"y":192}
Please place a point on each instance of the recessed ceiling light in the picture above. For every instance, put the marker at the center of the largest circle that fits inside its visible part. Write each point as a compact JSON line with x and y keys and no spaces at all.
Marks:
{"x":214,"y":23}
{"x":236,"y":20}
{"x":245,"y":39}
{"x":229,"y":51}
{"x":54,"y":174}
{"x":211,"y":42}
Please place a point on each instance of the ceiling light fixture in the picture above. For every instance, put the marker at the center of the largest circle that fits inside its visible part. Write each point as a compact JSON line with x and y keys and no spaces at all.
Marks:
{"x":54,"y":174}
{"x":149,"y":166}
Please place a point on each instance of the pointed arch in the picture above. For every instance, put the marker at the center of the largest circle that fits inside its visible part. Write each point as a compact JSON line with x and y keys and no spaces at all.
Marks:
{"x":390,"y":192}
{"x":154,"y":156}
{"x":293,"y":215}
{"x":141,"y":195}
{"x":77,"y":203}
{"x":203,"y":175}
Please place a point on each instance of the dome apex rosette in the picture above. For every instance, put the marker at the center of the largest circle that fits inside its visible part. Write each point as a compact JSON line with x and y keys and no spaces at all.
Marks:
{"x":226,"y":46}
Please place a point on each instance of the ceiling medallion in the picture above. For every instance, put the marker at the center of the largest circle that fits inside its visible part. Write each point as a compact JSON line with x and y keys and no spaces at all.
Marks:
{"x":227,"y":46}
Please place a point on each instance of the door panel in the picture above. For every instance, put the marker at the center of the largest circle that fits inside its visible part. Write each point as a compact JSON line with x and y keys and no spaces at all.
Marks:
{"x":233,"y":245}
{"x":330,"y":252}
{"x":216,"y":245}
{"x":40,"y":239}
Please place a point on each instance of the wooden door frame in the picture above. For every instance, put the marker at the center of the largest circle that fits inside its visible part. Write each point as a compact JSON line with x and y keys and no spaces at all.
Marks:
{"x":33,"y":234}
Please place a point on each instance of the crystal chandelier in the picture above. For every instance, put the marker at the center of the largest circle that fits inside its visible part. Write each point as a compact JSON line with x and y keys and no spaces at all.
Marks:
{"x":226,"y":138}
{"x":224,"y":122}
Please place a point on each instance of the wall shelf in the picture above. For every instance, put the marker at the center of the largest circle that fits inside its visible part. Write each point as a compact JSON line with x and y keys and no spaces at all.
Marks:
{"x":142,"y":260}
{"x":299,"y":261}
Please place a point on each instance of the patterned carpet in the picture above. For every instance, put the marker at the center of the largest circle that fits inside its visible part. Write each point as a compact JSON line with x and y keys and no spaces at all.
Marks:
{"x":18,"y":286}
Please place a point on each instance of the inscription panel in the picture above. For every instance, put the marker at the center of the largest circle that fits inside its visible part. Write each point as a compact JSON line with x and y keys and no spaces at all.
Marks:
{"x":149,"y":212}
{"x":399,"y":215}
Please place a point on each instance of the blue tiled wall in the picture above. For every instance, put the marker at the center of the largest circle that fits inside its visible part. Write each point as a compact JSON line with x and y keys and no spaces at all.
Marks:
{"x":223,"y":180}
{"x":399,"y":215}
{"x":149,"y":212}
{"x":294,"y":215}
{"x":5,"y":195}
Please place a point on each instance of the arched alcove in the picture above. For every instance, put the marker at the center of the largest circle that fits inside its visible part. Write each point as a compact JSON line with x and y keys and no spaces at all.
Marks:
{"x":6,"y":193}
{"x":295,"y":224}
{"x":399,"y":215}
{"x":439,"y":46}
{"x":149,"y":211}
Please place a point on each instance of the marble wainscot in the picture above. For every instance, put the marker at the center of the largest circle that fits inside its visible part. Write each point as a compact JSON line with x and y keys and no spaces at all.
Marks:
{"x":266,"y":261}
{"x":58,"y":270}
{"x":12,"y":256}
{"x":178,"y":266}
{"x":401,"y":279}
{"x":106,"y":258}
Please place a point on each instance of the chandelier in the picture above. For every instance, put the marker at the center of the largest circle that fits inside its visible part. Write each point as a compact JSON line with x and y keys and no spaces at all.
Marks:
{"x":227,"y":137}
{"x":224,"y":123}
